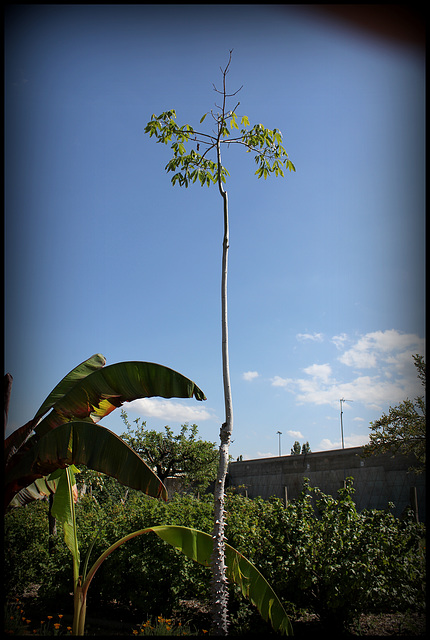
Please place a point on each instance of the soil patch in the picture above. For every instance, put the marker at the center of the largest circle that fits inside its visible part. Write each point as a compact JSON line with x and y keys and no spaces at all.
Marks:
{"x":369,"y":625}
{"x":112,"y":619}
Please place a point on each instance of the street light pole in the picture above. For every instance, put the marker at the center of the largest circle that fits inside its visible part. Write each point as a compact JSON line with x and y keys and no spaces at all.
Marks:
{"x":279,"y":434}
{"x":341,"y":420}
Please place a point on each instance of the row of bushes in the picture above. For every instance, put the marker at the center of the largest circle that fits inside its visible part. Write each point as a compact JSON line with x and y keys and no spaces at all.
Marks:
{"x":319,"y":553}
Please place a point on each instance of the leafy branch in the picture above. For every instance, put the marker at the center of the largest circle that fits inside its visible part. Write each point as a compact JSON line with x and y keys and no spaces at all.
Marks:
{"x":191,"y":165}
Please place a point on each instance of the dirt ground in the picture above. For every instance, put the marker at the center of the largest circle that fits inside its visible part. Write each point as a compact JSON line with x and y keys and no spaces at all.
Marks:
{"x":308,"y":626}
{"x":369,"y":625}
{"x":120,"y":621}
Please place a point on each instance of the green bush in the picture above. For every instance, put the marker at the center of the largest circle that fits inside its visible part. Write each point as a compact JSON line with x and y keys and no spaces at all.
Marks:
{"x":28,"y":563}
{"x":329,"y":558}
{"x":145,"y":572}
{"x":319,"y":554}
{"x":26,"y":548}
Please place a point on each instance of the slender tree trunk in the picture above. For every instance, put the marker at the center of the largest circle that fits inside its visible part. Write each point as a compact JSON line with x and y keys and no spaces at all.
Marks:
{"x":219,"y":578}
{"x":7,"y":391}
{"x":52,"y":525}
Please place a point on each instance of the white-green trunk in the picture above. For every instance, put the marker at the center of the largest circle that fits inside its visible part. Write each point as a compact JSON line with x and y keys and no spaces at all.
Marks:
{"x":219,"y":578}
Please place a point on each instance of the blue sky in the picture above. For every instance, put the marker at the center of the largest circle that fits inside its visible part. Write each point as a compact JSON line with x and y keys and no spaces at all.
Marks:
{"x":103,"y":255}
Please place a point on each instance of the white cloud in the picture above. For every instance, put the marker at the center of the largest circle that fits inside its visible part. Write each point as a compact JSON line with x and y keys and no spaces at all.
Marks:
{"x":374,"y":392}
{"x":349,"y":441}
{"x":321,"y":371}
{"x":340,"y":340}
{"x":277,"y":381}
{"x":315,"y":337}
{"x":269,"y":454}
{"x":371,"y":391}
{"x":296,"y":434}
{"x":169,"y":410}
{"x":388,"y":353}
{"x":377,"y":347}
{"x":250,"y":375}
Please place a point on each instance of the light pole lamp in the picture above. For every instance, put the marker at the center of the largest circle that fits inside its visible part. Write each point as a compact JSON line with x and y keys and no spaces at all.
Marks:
{"x":341,"y":420}
{"x":279,"y":446}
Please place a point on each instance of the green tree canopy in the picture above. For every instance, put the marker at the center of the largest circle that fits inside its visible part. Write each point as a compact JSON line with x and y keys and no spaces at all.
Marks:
{"x":306,"y":448}
{"x":296,"y":449}
{"x":403,"y":429}
{"x":185,"y":454}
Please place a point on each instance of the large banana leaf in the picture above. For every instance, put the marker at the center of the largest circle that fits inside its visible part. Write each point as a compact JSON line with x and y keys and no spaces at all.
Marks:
{"x":37,"y":490}
{"x":18,"y":437}
{"x":63,"y":509}
{"x":198,"y":546}
{"x":99,"y":393}
{"x":84,"y":369}
{"x":83,"y":443}
{"x":88,"y":393}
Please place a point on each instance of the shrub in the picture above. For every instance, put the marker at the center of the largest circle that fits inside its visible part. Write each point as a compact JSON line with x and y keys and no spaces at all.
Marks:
{"x":329,"y":558}
{"x":319,"y":554}
{"x":145,"y":572}
{"x":28,"y":565}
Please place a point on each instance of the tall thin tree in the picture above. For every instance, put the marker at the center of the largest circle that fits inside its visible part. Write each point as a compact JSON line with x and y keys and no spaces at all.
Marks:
{"x":271,"y":157}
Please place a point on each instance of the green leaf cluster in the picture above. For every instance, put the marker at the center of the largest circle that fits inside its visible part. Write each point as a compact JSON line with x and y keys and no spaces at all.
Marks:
{"x":191,"y":166}
{"x":164,"y":128}
{"x":187,"y":167}
{"x":271,"y":156}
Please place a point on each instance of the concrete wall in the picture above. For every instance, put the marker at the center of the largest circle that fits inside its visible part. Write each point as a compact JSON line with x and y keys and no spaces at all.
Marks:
{"x":377,"y":479}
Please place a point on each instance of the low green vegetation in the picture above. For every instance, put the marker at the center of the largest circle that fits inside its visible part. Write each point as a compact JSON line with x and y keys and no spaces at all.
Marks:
{"x":40,"y":459}
{"x":323,"y":556}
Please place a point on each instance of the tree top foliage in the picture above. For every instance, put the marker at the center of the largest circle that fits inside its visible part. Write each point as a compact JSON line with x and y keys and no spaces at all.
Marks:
{"x":296,"y":449}
{"x":170,"y":455}
{"x":403,"y":429}
{"x":195,"y":164}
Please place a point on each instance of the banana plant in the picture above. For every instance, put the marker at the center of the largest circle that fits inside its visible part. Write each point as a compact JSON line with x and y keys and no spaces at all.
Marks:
{"x":197,"y":545}
{"x":40,"y":456}
{"x":75,"y":443}
{"x":86,"y":394}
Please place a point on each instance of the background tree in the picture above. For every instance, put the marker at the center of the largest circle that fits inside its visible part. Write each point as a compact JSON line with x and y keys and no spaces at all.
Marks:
{"x":296,"y":448}
{"x":306,"y":448}
{"x":403,"y":429}
{"x":271,"y":157}
{"x":185,"y":455}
